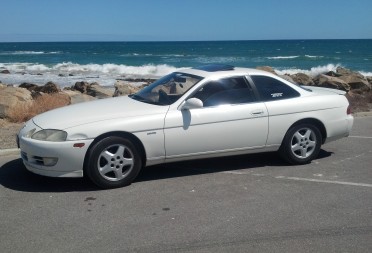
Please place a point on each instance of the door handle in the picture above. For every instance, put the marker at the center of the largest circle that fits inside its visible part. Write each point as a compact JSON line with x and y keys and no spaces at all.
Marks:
{"x":257,"y":112}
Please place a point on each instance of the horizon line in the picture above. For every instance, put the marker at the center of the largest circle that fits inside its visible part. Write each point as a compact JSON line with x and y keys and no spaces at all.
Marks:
{"x":157,"y":41}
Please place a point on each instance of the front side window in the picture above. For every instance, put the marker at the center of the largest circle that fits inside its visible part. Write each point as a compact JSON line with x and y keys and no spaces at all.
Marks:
{"x":225,"y":91}
{"x":167,"y":90}
{"x":271,"y":89}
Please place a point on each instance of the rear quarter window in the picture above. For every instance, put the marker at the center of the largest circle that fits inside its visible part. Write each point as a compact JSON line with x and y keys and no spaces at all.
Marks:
{"x":271,"y":89}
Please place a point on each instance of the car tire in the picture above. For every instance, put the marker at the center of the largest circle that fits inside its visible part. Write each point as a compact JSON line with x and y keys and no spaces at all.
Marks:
{"x":113,"y":162}
{"x":301,"y":144}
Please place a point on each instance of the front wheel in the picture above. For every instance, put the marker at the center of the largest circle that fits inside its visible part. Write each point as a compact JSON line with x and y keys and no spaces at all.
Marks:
{"x":113,"y":162}
{"x":301,"y":144}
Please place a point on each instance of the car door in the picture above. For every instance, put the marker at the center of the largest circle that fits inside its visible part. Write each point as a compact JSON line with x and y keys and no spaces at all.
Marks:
{"x":231,"y":120}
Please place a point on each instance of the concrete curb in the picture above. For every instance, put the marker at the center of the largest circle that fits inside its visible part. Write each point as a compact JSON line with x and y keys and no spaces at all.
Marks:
{"x":9,"y":152}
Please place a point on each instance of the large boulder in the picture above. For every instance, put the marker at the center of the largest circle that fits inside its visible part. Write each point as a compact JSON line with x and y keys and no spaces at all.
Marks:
{"x":360,"y":101}
{"x":123,"y":88}
{"x":332,"y":73}
{"x":49,"y":88}
{"x":28,"y":86}
{"x":80,"y":86}
{"x":60,"y":98}
{"x":331,"y":82}
{"x":369,"y":78}
{"x":356,"y":81}
{"x":37,"y":90}
{"x":303,"y":79}
{"x":95,"y":90}
{"x":78,"y":97}
{"x":340,"y":71}
{"x":11,"y":96}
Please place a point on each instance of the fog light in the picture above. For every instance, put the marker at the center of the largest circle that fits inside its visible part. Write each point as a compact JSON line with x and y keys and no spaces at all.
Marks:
{"x":50,"y":161}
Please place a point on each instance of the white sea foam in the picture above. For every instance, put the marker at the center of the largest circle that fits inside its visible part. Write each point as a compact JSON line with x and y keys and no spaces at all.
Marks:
{"x":293,"y":57}
{"x":91,"y":69}
{"x":67,"y":73}
{"x":365,"y":73}
{"x":283,"y":57}
{"x":312,"y":72}
{"x":313,"y":56}
{"x":28,"y":52}
{"x":154,"y":55}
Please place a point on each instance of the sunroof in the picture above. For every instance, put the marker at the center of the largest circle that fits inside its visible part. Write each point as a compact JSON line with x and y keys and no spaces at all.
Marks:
{"x":215,"y":67}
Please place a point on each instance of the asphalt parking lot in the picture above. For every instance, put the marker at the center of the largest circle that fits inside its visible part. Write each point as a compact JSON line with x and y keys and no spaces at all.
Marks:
{"x":251,"y":203}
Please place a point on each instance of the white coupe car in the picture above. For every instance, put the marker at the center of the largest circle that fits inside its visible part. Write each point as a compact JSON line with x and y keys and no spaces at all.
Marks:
{"x":203,"y":112}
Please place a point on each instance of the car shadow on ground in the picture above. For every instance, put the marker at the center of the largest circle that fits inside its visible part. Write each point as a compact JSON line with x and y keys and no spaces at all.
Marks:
{"x":215,"y":165}
{"x":14,"y":176}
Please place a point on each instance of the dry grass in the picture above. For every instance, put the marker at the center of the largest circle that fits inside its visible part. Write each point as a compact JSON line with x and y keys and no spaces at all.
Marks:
{"x":25,"y":111}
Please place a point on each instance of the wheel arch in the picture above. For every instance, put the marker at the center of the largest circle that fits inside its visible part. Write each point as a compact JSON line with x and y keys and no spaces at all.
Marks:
{"x":136,"y":141}
{"x":313,"y":121}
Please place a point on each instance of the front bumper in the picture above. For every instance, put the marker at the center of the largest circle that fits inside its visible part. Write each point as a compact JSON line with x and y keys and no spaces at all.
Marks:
{"x":69,"y":159}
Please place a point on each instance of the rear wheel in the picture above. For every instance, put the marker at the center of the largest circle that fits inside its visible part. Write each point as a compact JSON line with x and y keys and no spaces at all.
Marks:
{"x":113,"y":162}
{"x":301,"y":144}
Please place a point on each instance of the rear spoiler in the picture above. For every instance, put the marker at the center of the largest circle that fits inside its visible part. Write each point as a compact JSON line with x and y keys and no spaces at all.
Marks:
{"x":320,"y":89}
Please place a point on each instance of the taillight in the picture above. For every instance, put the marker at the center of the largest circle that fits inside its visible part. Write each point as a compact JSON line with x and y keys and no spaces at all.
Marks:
{"x":348,"y":111}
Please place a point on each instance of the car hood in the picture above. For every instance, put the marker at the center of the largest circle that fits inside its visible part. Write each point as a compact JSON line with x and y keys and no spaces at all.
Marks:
{"x":98,"y":110}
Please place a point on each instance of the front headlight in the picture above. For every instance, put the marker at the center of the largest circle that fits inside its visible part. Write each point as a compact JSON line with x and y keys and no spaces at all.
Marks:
{"x":50,"y":135}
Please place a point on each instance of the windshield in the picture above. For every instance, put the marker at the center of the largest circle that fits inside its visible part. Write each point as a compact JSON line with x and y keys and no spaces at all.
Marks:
{"x":167,"y":90}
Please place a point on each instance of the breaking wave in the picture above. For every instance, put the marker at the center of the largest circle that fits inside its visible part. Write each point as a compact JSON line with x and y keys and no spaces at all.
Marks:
{"x":313,"y":56}
{"x":91,"y":69}
{"x":282,"y":57}
{"x":314,"y":71}
{"x":67,"y":73}
{"x":365,"y":73}
{"x":294,"y":57}
{"x":29,"y":52}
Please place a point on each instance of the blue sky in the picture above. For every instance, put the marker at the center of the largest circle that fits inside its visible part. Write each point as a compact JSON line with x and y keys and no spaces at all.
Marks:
{"x":174,"y":20}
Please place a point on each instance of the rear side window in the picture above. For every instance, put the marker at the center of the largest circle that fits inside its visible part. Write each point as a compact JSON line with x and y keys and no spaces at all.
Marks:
{"x":271,"y":89}
{"x":233,"y":90}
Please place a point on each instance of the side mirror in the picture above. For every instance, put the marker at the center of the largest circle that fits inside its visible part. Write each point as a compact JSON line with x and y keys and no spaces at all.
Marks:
{"x":192,"y":103}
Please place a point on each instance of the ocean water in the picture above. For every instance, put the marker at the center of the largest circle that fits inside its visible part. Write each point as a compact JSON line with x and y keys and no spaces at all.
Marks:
{"x":104,"y":62}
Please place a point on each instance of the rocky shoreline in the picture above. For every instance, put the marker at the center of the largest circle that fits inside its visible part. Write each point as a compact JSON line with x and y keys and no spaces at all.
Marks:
{"x":357,"y":86}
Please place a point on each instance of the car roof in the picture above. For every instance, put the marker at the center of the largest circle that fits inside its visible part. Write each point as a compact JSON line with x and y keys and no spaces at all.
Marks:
{"x":219,"y":70}
{"x":225,"y":71}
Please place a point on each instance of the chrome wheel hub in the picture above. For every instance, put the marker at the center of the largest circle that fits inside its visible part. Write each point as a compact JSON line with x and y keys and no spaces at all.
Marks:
{"x":303,"y":143}
{"x":115,"y":162}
